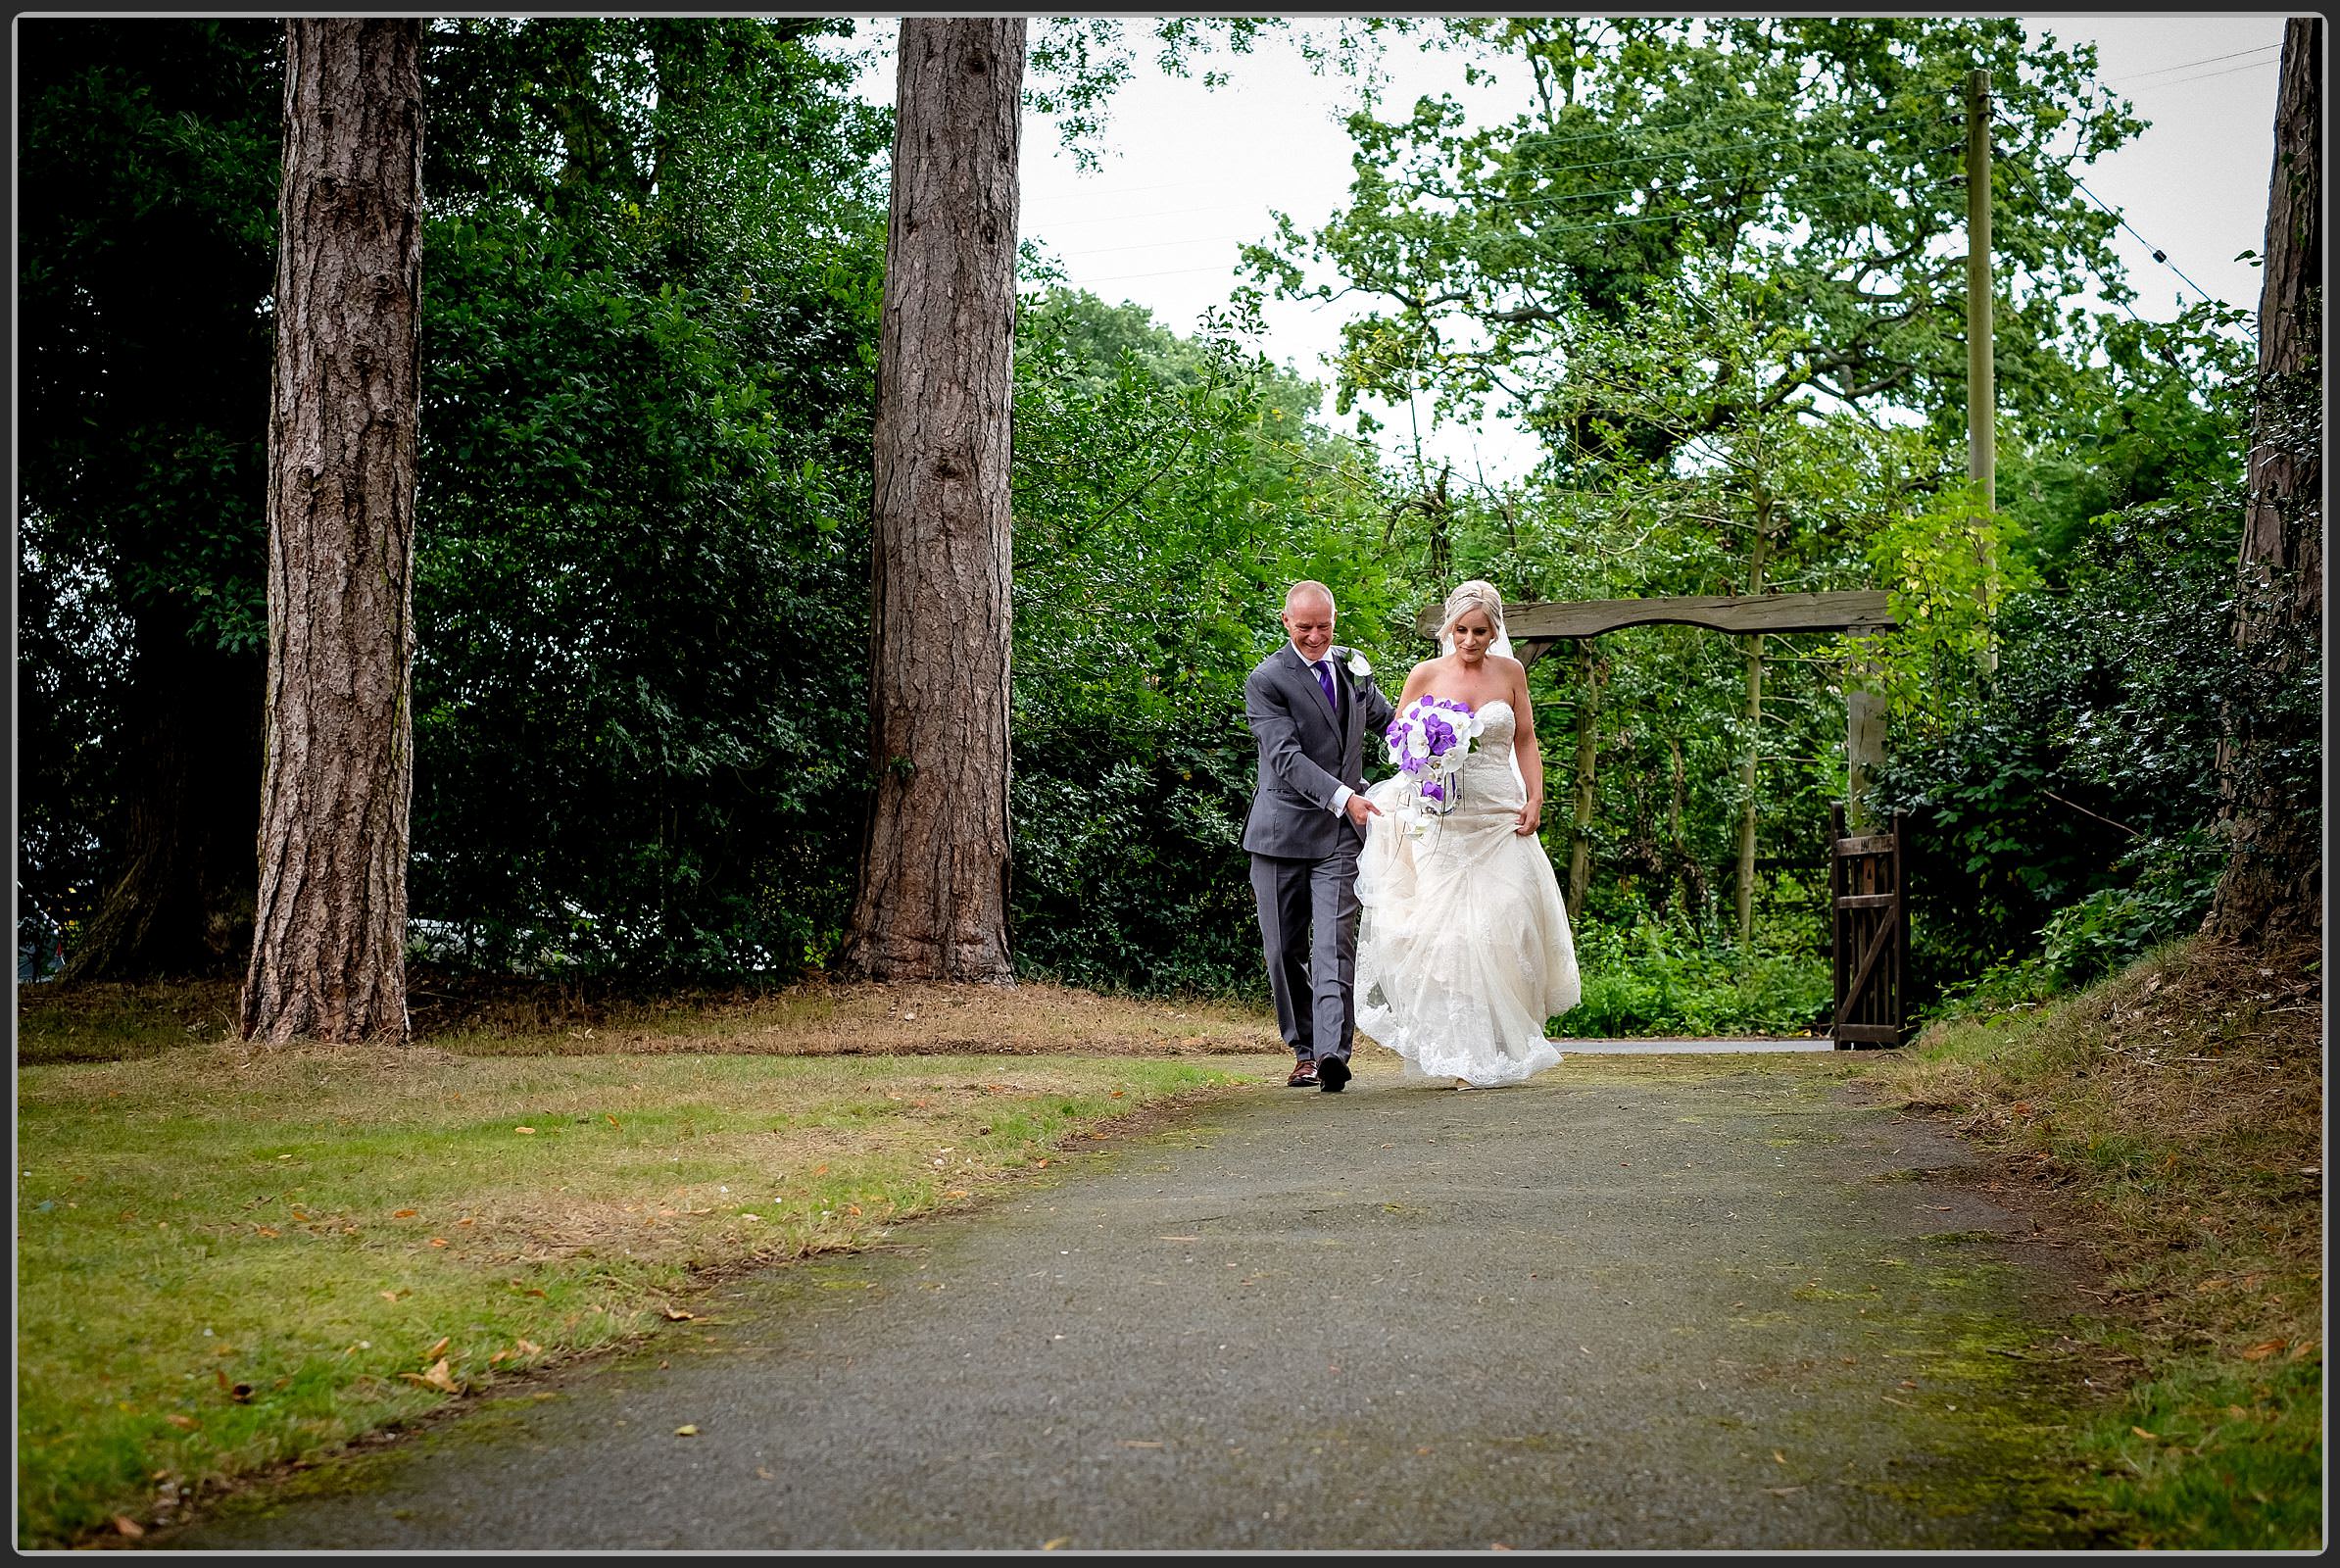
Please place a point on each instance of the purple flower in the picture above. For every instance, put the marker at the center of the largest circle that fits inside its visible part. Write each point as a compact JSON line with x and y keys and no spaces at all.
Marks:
{"x":1433,"y":790}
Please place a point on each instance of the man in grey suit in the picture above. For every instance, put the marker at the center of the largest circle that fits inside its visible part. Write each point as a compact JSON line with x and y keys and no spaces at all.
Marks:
{"x":1311,"y":706}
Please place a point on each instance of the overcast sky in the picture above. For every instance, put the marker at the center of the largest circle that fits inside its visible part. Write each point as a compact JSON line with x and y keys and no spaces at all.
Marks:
{"x":1192,"y":172}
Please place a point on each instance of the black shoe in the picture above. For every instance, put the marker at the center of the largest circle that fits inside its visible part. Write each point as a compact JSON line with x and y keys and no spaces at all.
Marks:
{"x":1332,"y":1075}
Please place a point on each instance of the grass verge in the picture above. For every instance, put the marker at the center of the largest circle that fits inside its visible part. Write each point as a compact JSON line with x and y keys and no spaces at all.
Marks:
{"x":2174,"y":1110}
{"x":230,"y":1260}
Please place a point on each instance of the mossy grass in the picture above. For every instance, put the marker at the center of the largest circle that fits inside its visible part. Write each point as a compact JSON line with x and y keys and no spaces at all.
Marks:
{"x":2174,"y":1112}
{"x":231,"y":1258}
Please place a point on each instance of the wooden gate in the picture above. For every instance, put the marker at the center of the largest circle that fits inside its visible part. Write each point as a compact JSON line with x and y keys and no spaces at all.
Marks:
{"x":1872,"y":928}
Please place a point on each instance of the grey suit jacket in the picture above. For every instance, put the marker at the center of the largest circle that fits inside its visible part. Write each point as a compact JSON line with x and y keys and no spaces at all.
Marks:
{"x":1307,"y":750}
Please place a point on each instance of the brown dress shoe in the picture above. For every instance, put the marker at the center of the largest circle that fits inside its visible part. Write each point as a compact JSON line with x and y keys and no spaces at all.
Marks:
{"x":1302,"y":1076}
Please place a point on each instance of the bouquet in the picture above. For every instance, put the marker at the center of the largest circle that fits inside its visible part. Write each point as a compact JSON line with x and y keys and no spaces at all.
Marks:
{"x":1428,"y":744}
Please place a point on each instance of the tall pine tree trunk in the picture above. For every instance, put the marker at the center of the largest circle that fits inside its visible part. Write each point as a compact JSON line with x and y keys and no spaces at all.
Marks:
{"x":2271,"y":889}
{"x":932,"y":903}
{"x":328,"y":951}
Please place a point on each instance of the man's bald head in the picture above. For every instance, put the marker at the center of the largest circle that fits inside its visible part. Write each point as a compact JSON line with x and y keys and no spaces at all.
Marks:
{"x":1308,"y":618}
{"x":1307,"y":590}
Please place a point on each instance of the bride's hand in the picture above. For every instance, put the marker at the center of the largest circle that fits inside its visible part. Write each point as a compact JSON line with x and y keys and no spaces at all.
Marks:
{"x":1530,"y":814}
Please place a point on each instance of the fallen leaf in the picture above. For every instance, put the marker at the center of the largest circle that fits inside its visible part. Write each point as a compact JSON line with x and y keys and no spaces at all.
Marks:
{"x":1116,"y":1094}
{"x":267,"y":1230}
{"x":402,"y":1213}
{"x":1781,"y":1491}
{"x":2149,"y":1437}
{"x":387,"y":1296}
{"x":957,"y":1191}
{"x":436,"y":1377}
{"x":1052,"y":1546}
{"x":686,"y":1429}
{"x":2262,"y":1350}
{"x":438,"y":1241}
{"x":1778,"y":1457}
{"x":853,"y":1208}
{"x":763,"y":1474}
{"x":611,"y":1120}
{"x":1139,"y":1442}
{"x":675,"y":1314}
{"x":1181,"y":1238}
{"x":437,"y":1349}
{"x":529,"y":1130}
{"x":125,"y":1525}
{"x":184,"y":1422}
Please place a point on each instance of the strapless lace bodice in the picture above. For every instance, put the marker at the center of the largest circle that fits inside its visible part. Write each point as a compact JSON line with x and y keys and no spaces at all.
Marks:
{"x":1491,"y":777}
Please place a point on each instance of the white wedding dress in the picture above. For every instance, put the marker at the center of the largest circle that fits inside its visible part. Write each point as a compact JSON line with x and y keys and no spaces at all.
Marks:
{"x":1463,"y":946}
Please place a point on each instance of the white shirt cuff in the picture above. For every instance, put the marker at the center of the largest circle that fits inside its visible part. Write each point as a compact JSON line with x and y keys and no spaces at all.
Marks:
{"x":1341,"y":795}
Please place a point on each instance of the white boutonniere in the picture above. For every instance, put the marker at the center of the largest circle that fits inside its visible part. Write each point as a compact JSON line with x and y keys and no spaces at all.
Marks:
{"x":1357,"y":664}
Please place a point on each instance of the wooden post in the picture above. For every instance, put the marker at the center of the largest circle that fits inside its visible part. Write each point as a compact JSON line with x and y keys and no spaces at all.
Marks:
{"x":1579,"y":837}
{"x":1838,"y":955}
{"x":1864,"y":735}
{"x":1982,"y":458}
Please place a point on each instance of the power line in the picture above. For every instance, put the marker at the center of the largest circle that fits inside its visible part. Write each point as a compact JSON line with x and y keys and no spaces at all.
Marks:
{"x":2158,"y":254}
{"x":2188,"y":65}
{"x":2153,"y":87}
{"x":2016,"y":166}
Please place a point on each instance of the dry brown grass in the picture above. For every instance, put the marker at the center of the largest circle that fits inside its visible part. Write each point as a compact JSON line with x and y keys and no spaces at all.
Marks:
{"x":831,"y":1018}
{"x":476,"y":1018}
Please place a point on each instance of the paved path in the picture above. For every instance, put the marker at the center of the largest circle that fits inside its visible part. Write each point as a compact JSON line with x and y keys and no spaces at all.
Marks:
{"x":1692,"y":1302}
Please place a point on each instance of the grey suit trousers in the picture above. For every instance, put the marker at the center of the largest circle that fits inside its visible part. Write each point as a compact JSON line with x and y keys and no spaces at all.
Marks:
{"x":1309,"y":928}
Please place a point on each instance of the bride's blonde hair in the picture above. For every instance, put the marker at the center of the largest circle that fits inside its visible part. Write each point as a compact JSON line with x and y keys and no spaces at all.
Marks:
{"x":1477,"y":594}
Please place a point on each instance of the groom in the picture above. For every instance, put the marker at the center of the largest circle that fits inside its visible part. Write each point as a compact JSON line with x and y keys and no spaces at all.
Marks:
{"x":1311,"y":706}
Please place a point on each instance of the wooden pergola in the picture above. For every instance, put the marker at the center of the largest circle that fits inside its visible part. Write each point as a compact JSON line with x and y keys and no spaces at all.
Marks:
{"x":1535,"y":627}
{"x":1871,"y":915}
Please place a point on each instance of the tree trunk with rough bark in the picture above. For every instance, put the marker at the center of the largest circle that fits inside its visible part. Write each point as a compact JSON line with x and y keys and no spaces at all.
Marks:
{"x":2273,"y":886}
{"x":328,"y":951}
{"x":932,"y":903}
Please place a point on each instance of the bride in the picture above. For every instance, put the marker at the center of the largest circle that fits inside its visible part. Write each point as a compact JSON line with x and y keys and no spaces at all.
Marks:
{"x":1463,"y":946}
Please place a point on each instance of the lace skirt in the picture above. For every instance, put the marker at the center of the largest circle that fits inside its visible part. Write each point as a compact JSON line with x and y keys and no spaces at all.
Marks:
{"x":1464,"y":952}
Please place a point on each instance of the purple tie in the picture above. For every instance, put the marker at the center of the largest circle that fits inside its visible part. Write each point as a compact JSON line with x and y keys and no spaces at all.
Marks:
{"x":1324,"y":678}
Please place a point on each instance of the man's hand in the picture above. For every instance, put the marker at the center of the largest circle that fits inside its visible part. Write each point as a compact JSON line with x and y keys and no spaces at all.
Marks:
{"x":1359,"y":809}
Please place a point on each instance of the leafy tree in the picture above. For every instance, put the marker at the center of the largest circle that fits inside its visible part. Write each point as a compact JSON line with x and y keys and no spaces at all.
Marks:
{"x":1813,"y":164}
{"x":1167,"y":491}
{"x":642,"y":576}
{"x":147,"y":197}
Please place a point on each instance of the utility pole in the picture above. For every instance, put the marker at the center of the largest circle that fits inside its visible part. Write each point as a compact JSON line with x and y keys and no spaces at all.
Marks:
{"x":1983,"y":454}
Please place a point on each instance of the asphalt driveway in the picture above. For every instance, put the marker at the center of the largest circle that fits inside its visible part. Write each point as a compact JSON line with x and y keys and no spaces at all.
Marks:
{"x":1665,"y":1302}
